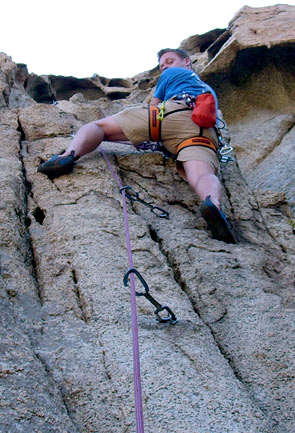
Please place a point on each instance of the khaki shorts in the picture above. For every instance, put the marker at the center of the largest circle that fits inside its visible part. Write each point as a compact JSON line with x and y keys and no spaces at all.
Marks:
{"x":175,"y":128}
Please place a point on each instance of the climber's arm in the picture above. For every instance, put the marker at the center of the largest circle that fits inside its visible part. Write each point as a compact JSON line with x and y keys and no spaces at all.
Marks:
{"x":155,"y":101}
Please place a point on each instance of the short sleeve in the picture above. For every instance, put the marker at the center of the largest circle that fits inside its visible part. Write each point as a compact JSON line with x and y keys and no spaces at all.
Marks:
{"x":160,"y":89}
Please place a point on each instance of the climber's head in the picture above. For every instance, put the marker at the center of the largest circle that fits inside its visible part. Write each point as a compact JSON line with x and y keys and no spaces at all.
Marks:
{"x":173,"y":57}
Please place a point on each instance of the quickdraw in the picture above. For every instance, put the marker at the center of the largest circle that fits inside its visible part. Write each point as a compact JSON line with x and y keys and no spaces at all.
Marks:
{"x":159,"y":308}
{"x":134,"y":196}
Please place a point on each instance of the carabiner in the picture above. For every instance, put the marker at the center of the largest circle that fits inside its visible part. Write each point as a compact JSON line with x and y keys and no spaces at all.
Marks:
{"x":225,"y":150}
{"x":162,"y":213}
{"x":134,"y":197}
{"x":161,"y":114}
{"x":170,"y":318}
{"x":139,"y":276}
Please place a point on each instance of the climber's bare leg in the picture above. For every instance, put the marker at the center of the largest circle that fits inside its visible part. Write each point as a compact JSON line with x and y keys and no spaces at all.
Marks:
{"x":89,"y":137}
{"x":202,"y":179}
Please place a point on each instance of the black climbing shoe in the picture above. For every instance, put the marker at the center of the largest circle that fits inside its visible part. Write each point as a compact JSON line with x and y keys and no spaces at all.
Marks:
{"x":58,"y":165}
{"x":217,"y":222}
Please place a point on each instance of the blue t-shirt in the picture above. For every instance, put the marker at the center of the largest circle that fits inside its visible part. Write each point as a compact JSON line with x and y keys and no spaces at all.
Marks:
{"x":176,"y":81}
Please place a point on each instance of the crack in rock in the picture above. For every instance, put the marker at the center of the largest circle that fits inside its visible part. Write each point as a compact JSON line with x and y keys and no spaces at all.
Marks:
{"x":26,"y":217}
{"x":83,"y":305}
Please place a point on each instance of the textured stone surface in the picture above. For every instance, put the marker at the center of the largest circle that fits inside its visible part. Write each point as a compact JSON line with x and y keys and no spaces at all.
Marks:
{"x":66,"y":354}
{"x":266,"y":27}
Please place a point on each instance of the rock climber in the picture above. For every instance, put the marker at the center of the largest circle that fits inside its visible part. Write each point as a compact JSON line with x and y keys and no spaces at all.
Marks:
{"x":196,"y":162}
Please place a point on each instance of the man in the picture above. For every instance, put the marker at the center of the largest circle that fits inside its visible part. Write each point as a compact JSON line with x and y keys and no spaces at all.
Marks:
{"x":197,"y":162}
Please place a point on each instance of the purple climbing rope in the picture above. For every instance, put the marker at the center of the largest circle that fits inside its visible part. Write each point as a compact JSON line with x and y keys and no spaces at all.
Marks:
{"x":135,"y":344}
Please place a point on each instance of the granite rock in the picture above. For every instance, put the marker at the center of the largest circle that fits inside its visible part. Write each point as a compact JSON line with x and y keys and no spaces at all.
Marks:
{"x":227,"y":365}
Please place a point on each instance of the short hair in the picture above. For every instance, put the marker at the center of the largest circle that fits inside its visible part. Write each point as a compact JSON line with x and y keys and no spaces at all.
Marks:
{"x":181,"y":53}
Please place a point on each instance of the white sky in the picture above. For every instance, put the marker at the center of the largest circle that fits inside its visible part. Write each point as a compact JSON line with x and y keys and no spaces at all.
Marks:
{"x":113,"y":38}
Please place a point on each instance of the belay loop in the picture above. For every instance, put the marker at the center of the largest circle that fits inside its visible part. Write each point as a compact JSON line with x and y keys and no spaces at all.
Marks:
{"x":171,"y":316}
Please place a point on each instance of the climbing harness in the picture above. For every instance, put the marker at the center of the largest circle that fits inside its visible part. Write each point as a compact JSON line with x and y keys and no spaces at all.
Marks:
{"x":157,"y":114}
{"x":196,"y":141}
{"x":154,"y":123}
{"x":159,"y":308}
{"x":222,"y":150}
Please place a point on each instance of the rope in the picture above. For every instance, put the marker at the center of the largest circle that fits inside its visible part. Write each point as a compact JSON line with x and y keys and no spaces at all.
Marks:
{"x":135,"y":345}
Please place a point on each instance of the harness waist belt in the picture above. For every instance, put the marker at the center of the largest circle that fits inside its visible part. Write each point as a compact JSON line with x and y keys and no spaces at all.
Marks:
{"x":154,"y":124}
{"x":196,"y":141}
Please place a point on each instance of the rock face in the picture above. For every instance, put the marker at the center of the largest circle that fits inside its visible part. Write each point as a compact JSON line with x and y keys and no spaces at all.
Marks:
{"x":66,"y":355}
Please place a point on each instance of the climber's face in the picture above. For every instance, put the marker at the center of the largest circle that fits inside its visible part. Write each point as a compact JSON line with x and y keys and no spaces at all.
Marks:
{"x":172,"y":60}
